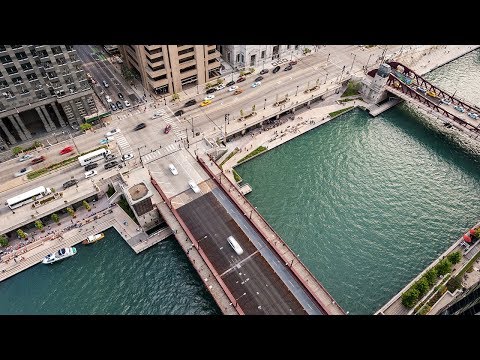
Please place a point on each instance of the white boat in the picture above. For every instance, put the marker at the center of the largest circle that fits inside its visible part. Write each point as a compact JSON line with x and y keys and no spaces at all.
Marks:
{"x":93,"y":238}
{"x":61,"y":254}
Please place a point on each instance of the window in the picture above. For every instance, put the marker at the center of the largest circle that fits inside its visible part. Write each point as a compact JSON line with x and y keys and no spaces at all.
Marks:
{"x":17,"y":80}
{"x":2,"y":48}
{"x":69,"y":47}
{"x":32,"y":77}
{"x":15,"y":46}
{"x":5,"y":59}
{"x":263,"y":54}
{"x":27,"y":66}
{"x":252,"y":60}
{"x":185,"y":51}
{"x":3,"y":84}
{"x":186,"y":59}
{"x":187,"y":69}
{"x":56,"y":50}
{"x":21,"y":55}
{"x":161,"y":77}
{"x":11,"y":70}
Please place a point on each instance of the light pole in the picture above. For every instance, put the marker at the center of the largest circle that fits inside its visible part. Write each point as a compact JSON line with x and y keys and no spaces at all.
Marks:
{"x":264,"y":104}
{"x":198,"y":242}
{"x":236,"y":300}
{"x":296,"y":91}
{"x":351,"y":67}
{"x":328,"y":57}
{"x":71,"y":137}
{"x":366,"y":66}
{"x":325,"y":78}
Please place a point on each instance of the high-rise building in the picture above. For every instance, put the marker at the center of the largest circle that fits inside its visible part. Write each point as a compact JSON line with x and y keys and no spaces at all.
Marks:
{"x":467,"y":303}
{"x":167,"y":69}
{"x":42,"y":87}
{"x":241,"y":56}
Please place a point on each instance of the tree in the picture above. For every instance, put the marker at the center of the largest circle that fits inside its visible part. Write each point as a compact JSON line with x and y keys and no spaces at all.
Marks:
{"x":422,"y":286}
{"x":37,"y":143}
{"x":208,"y":86}
{"x":431,"y":276}
{"x":39,"y":225}
{"x":175,"y":96}
{"x":444,"y":267}
{"x":53,"y":189}
{"x":454,"y":257}
{"x":219,"y":81}
{"x":127,"y":73}
{"x":17,"y":150}
{"x":253,"y":108}
{"x":86,"y":205}
{"x":3,"y":240}
{"x":21,"y":233}
{"x":410,"y":297}
{"x":71,"y":212}
{"x":55,"y":218}
{"x":85,"y":127}
{"x":251,"y":70}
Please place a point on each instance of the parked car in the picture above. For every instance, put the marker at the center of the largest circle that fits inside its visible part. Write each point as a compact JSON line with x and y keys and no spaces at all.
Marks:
{"x":74,"y":125}
{"x":240,"y":79}
{"x":156,"y":114}
{"x":105,"y":83}
{"x":119,"y":105}
{"x":256,"y":83}
{"x":264,"y":71}
{"x":66,"y":150}
{"x":104,"y":141}
{"x":139,"y":126}
{"x":230,"y":83}
{"x":127,"y":103}
{"x":205,"y":103}
{"x":108,"y":98}
{"x":173,"y":169}
{"x":190,"y":102}
{"x":110,"y":157}
{"x":127,"y":157}
{"x":220,"y":87}
{"x":167,"y":128}
{"x":113,"y":107}
{"x":179,"y":112}
{"x":69,"y":183}
{"x":25,"y":157}
{"x":233,"y":88}
{"x":211,"y":90}
{"x":112,"y":132}
{"x":38,"y":160}
{"x":90,"y":174}
{"x":110,"y":164}
{"x":91,"y":166}
{"x":23,"y":171}
{"x":120,"y":96}
{"x":238,"y":91}
{"x":209,"y":97}
{"x":287,"y":68}
{"x":260,"y":78}
{"x":193,"y":186}
{"x":293,"y":62}
{"x":276,"y":69}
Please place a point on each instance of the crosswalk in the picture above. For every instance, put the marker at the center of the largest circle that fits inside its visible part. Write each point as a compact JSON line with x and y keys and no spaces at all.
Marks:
{"x":172,"y":121}
{"x":164,"y":151}
{"x":123,"y":144}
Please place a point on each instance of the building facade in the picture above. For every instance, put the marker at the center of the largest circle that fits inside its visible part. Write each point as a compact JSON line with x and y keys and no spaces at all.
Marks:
{"x":168,"y":69}
{"x":241,"y":56}
{"x":43,"y":87}
{"x":467,"y":303}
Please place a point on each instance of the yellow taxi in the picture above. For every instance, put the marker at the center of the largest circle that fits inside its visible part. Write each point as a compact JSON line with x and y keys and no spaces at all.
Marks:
{"x":205,"y":102}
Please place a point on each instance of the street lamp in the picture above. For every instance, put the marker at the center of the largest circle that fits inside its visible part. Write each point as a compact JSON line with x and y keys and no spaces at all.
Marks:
{"x":366,"y":66}
{"x":198,"y":242}
{"x":328,"y":57}
{"x":264,"y":104}
{"x":296,"y":91}
{"x":354,"y":56}
{"x":252,"y":212}
{"x":325,"y":78}
{"x":236,"y":300}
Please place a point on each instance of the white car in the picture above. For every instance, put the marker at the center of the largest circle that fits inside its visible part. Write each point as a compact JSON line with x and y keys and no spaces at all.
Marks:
{"x":90,"y":173}
{"x":256,"y":83}
{"x":233,"y":88}
{"x":193,"y":186}
{"x":25,"y":157}
{"x":127,"y":157}
{"x":220,"y":87}
{"x":209,"y":97}
{"x":23,"y":171}
{"x":173,"y":169}
{"x":109,"y":100}
{"x":156,"y":114}
{"x":112,"y":132}
{"x":127,"y":103}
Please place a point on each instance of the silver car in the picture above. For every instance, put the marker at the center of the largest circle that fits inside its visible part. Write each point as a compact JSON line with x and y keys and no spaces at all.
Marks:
{"x":23,"y":171}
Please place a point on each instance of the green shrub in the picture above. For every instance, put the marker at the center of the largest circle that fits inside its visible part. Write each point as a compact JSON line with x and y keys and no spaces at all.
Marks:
{"x":39,"y":224}
{"x":352,"y":89}
{"x":21,"y":233}
{"x":410,"y":297}
{"x":85,"y":127}
{"x":425,"y":309}
{"x":257,"y":151}
{"x":70,"y":211}
{"x":17,"y":150}
{"x":55,"y":218}
{"x":455,"y":257}
{"x":443,"y":267}
{"x":431,"y":276}
{"x":338,"y":112}
{"x":237,"y":177}
{"x":422,"y":286}
{"x":3,"y":240}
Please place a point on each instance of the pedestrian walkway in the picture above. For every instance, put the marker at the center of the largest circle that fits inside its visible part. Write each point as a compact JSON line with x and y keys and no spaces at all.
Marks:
{"x":123,"y":144}
{"x":159,"y":153}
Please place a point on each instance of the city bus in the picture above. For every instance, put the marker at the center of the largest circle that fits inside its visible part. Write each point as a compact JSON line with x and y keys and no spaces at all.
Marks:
{"x":28,"y":197}
{"x":93,"y":156}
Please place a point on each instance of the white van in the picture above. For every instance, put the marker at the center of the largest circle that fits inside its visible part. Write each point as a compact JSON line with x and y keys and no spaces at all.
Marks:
{"x":235,"y":246}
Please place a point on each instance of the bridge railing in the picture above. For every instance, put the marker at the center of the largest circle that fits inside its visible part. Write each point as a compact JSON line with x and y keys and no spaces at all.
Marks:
{"x":306,"y":285}
{"x":200,"y":251}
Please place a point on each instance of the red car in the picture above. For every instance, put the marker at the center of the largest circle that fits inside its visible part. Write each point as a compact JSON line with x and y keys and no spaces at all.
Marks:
{"x":167,"y":128}
{"x":66,"y":150}
{"x":240,"y":79}
{"x":38,"y":160}
{"x":293,"y":62}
